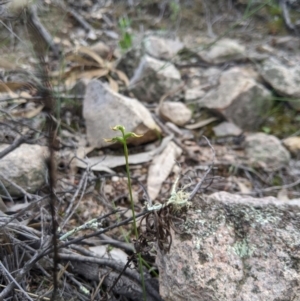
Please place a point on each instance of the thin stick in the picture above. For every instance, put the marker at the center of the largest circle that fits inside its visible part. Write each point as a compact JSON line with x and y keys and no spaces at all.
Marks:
{"x":199,"y":184}
{"x":30,"y":294}
{"x":14,"y":280}
{"x":13,"y":146}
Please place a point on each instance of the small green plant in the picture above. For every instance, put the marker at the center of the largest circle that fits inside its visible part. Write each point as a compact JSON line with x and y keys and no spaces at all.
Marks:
{"x":266,"y":129}
{"x":126,"y":38}
{"x":123,"y":140}
{"x":175,"y":9}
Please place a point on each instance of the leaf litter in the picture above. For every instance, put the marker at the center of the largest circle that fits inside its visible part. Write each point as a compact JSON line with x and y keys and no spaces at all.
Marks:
{"x":104,"y":187}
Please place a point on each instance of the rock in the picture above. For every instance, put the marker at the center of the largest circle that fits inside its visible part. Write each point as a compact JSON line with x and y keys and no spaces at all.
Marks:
{"x":161,"y":48}
{"x":256,"y":56}
{"x":129,"y":61}
{"x":292,"y":144}
{"x":234,"y":248}
{"x":200,"y":80}
{"x":79,"y":89}
{"x":289,"y":43}
{"x":153,"y":78}
{"x":223,"y":51}
{"x":193,"y":94}
{"x":227,"y":129}
{"x":154,"y":44}
{"x":284,"y":80}
{"x":239,"y":98}
{"x":176,"y":112}
{"x":265,"y":49}
{"x":266,"y":151}
{"x":25,"y":166}
{"x":211,"y":76}
{"x":103,"y":109}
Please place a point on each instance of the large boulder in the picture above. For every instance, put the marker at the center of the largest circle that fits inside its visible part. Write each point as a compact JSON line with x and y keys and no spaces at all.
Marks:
{"x":234,"y":248}
{"x":24,"y":166}
{"x":239,"y":98}
{"x":104,"y":108}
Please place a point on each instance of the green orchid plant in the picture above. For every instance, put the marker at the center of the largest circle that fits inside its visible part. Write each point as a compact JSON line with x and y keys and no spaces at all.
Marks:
{"x":123,"y":140}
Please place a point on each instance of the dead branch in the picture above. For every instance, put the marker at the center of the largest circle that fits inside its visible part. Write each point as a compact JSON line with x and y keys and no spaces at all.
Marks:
{"x":133,"y":275}
{"x":44,"y":35}
{"x":199,"y":184}
{"x":286,"y":16}
{"x":17,"y":142}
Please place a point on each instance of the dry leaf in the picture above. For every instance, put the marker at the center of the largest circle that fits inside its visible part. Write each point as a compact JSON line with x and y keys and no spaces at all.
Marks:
{"x":101,"y":49}
{"x":282,"y":195}
{"x":102,"y":163}
{"x":160,"y":168}
{"x":82,"y":61}
{"x":200,"y":124}
{"x":34,"y":112}
{"x":3,"y":207}
{"x":93,"y":55}
{"x":115,"y":254}
{"x":113,"y":84}
{"x":10,"y":87}
{"x":244,"y":185}
{"x":292,"y":144}
{"x":71,"y":81}
{"x":93,"y":73}
{"x":122,"y":76}
{"x":6,"y":65}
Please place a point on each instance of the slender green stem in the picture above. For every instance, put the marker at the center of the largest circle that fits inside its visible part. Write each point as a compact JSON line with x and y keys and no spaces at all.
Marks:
{"x":129,"y":186}
{"x":140,"y":260}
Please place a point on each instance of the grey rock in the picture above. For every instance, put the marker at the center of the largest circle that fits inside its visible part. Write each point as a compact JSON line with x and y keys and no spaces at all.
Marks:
{"x":266,"y":151}
{"x":234,"y":248}
{"x":265,"y":48}
{"x":283,"y":79}
{"x":26,"y":167}
{"x":289,"y":43}
{"x":79,"y":90}
{"x":239,"y":98}
{"x":153,"y":78}
{"x":129,"y":61}
{"x":223,"y":51}
{"x":227,"y":129}
{"x":193,"y":94}
{"x":103,"y":109}
{"x":155,"y":44}
{"x":176,"y":112}
{"x":161,"y":48}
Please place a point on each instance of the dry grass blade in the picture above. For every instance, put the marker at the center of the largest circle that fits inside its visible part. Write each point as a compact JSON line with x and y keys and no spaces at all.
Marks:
{"x":80,"y":60}
{"x":113,"y":84}
{"x":122,"y":76}
{"x":93,"y":55}
{"x":9,"y":87}
{"x":93,"y":73}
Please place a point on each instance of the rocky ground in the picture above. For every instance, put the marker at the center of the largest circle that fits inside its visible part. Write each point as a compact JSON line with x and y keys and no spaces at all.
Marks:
{"x":212,"y":89}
